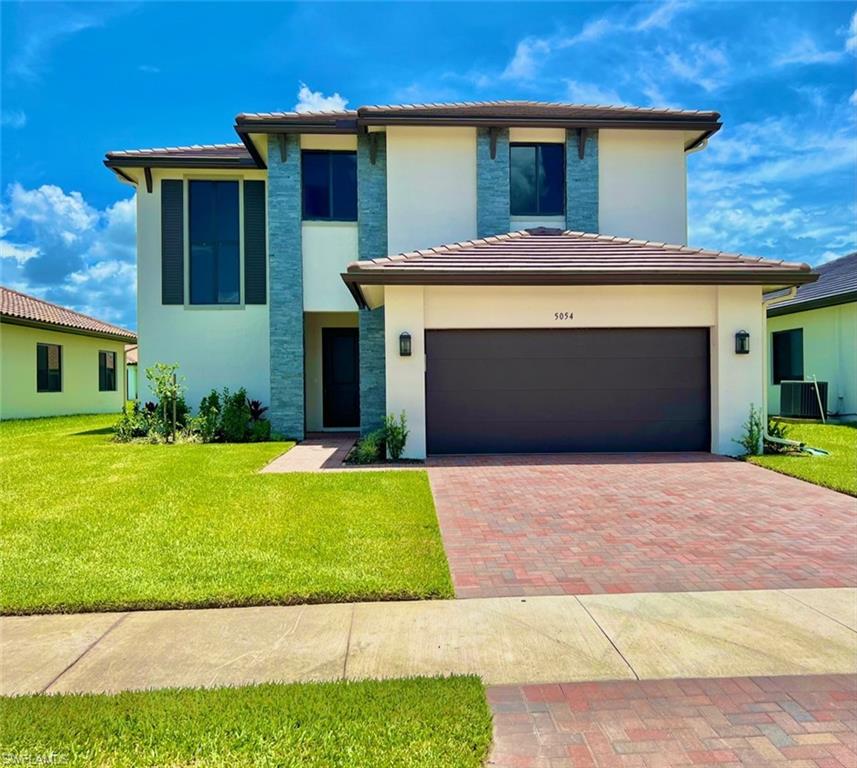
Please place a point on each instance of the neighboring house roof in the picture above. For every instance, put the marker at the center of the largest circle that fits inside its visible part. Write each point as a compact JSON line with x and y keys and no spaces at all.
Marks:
{"x":836,"y":284}
{"x":131,"y":355}
{"x":492,"y":114}
{"x":555,"y":257}
{"x":21,"y":309}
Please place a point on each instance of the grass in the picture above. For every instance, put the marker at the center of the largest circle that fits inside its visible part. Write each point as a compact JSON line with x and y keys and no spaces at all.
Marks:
{"x":92,"y":525}
{"x":837,"y":471}
{"x":430,"y":723}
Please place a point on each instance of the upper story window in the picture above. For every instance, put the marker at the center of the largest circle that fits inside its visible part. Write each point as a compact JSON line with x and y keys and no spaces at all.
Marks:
{"x":788,"y":355}
{"x":329,"y":182}
{"x":215,"y":262}
{"x":106,"y":371}
{"x":48,"y":368}
{"x":537,"y":179}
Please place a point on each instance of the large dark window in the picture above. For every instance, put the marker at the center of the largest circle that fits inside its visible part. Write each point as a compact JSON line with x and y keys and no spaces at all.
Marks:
{"x":214,"y":242}
{"x":788,"y":355}
{"x":329,"y":182}
{"x":537,"y":179}
{"x":106,"y":371}
{"x":48,"y":368}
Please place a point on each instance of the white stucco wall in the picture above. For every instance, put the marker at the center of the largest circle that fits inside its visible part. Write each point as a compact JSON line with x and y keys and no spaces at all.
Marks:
{"x":327,"y":248}
{"x":314,"y":322}
{"x":736,"y":380}
{"x":642,"y":185}
{"x":214,"y":347}
{"x":829,"y":354}
{"x":431,"y":186}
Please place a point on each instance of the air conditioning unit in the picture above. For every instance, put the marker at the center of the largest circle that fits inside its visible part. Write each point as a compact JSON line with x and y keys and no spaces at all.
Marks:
{"x":799,"y":399}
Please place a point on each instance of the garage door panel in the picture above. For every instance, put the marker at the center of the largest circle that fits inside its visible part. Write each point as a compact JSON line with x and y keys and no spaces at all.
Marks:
{"x":552,"y":404}
{"x":526,"y":372}
{"x":567,"y":390}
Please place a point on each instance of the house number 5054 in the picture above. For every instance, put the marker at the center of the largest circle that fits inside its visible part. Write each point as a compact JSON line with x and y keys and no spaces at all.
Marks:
{"x":563,"y":315}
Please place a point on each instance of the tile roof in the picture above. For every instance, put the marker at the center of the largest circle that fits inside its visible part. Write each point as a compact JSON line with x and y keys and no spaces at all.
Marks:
{"x":551,"y":256}
{"x":231,"y":154}
{"x":132,"y":352}
{"x":836,"y":284}
{"x":19,"y":306}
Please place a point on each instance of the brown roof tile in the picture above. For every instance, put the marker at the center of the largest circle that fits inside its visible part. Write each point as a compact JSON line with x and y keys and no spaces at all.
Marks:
{"x":198,"y":154}
{"x":19,"y":306}
{"x":552,"y":256}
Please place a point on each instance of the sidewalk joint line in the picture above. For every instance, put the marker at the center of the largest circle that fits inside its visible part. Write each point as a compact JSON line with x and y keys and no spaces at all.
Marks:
{"x":86,"y":650}
{"x":348,"y":642}
{"x":609,"y":639}
{"x":817,"y":610}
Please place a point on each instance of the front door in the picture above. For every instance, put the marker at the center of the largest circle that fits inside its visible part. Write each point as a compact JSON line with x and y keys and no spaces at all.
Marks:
{"x":340,"y":377}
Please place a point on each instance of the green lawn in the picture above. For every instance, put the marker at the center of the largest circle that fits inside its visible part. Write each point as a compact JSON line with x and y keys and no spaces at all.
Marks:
{"x":417,"y":723}
{"x":92,"y":525}
{"x":837,"y":471}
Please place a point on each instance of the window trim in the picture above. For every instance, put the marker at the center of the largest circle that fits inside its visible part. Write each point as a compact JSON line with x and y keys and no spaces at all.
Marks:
{"x":331,"y":218}
{"x":188,"y":178}
{"x":774,"y":378}
{"x":538,"y":145}
{"x":115,"y":370}
{"x":59,"y":348}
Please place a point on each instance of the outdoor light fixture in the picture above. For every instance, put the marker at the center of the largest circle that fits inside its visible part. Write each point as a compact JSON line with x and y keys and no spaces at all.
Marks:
{"x":404,"y":344}
{"x":742,"y":343}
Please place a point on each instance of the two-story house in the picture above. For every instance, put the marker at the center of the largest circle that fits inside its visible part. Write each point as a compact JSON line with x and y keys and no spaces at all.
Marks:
{"x":469,"y":264}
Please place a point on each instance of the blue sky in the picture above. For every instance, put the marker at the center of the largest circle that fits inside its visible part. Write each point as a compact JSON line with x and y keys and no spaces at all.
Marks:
{"x":779,"y":180}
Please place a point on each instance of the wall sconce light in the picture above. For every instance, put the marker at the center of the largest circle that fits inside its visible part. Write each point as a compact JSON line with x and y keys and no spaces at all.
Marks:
{"x":404,"y":344}
{"x":742,"y":343}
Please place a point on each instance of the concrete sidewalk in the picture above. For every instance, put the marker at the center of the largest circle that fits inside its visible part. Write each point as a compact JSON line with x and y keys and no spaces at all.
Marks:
{"x":504,"y":640}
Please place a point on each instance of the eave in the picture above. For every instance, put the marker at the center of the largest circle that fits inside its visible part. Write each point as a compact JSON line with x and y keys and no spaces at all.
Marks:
{"x":12,"y":320}
{"x":810,"y":304}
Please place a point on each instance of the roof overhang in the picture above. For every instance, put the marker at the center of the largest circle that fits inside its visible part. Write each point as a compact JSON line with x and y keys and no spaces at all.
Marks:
{"x":12,"y":320}
{"x":804,"y":306}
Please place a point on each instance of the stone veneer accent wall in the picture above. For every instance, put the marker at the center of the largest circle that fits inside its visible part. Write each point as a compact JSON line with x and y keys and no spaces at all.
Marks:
{"x":492,"y":184}
{"x":372,"y":244}
{"x":581,"y":183}
{"x":286,"y":278}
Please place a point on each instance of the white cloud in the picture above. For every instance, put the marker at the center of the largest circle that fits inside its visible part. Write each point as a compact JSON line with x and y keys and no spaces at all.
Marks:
{"x":590,"y":93}
{"x":19,"y":253}
{"x":700,"y":63}
{"x":852,"y":100}
{"x":316,"y":101}
{"x":851,"y":40}
{"x":661,"y":17}
{"x":149,"y":69}
{"x":528,"y":57}
{"x":805,"y":50}
{"x":58,"y":246}
{"x":29,"y":60}
{"x":13,"y":118}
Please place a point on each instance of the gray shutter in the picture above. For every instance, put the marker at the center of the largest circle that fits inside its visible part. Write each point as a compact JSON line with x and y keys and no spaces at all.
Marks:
{"x":172,"y":242}
{"x":255,"y":248}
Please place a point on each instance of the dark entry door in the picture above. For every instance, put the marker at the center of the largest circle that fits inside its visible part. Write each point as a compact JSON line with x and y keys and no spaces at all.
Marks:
{"x":610,"y":389}
{"x":340,"y":377}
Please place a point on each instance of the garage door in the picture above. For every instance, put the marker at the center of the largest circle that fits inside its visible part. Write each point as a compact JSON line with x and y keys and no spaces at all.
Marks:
{"x":611,"y":389}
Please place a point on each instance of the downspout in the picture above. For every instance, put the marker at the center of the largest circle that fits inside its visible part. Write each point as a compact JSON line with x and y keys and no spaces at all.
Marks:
{"x":765,"y":436}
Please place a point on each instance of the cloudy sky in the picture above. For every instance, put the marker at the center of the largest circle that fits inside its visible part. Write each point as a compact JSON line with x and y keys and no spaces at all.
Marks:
{"x":779,"y":180}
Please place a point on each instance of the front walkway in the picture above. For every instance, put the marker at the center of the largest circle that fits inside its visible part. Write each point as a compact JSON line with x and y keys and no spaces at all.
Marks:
{"x":806,"y":721}
{"x":324,"y":450}
{"x":609,"y":523}
{"x":504,"y":640}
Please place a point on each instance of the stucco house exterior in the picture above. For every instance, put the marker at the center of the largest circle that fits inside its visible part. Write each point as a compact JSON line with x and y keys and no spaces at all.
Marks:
{"x":498,"y":271}
{"x":814,"y":334}
{"x":55,"y":361}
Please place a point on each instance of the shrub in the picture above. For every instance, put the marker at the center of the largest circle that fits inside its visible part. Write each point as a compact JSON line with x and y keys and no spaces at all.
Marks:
{"x":369,"y":448}
{"x":260,"y":431}
{"x":395,"y":434}
{"x":257,"y":410}
{"x":208,"y":422}
{"x":133,"y":424}
{"x":751,"y":440}
{"x":778,"y":429}
{"x":236,"y":416}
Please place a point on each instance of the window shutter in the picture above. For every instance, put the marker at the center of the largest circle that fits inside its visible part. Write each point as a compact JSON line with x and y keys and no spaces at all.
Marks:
{"x":172,"y":242}
{"x":255,"y":248}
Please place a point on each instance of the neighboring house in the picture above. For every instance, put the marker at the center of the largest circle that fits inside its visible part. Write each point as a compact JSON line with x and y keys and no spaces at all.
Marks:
{"x":814,"y":334}
{"x":254,"y":258}
{"x":130,"y":371}
{"x":55,"y":361}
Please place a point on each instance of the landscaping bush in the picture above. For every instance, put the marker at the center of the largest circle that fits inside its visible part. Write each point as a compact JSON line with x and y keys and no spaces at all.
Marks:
{"x":370,"y":448}
{"x":395,"y":435}
{"x":780,"y":429}
{"x":236,"y":416}
{"x":208,"y":422}
{"x":751,"y":440}
{"x":134,"y":423}
{"x":260,"y":431}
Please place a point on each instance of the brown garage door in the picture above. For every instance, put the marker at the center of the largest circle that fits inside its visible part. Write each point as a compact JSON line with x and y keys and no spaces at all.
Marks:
{"x":606,"y":389}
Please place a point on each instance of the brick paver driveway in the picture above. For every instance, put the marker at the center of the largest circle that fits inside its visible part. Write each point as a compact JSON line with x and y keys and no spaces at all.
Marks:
{"x":579,"y":524}
{"x":787,"y":721}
